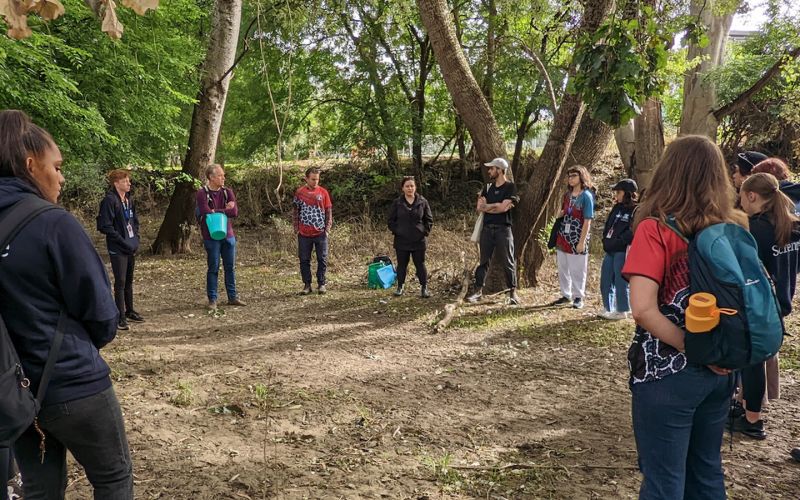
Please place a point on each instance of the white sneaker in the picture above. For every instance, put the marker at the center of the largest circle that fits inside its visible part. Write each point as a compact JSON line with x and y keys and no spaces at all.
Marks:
{"x":606,"y":314}
{"x":616,"y":316}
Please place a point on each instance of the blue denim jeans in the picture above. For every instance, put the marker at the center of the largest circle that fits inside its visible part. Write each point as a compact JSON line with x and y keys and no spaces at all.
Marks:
{"x":92,"y":429}
{"x":678,"y":422}
{"x":320,"y":246}
{"x":613,"y":286}
{"x":227,"y":250}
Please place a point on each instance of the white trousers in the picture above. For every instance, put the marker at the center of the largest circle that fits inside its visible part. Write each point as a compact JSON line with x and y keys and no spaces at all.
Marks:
{"x":572,"y":270}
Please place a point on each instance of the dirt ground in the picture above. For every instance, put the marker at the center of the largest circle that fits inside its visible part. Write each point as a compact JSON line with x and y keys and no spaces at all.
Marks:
{"x":349,"y":395}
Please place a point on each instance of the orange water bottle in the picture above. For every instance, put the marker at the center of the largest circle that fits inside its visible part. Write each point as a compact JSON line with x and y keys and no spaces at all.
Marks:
{"x":702,"y":314}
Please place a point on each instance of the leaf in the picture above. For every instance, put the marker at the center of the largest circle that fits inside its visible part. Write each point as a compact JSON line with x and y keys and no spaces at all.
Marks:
{"x":140,"y":6}
{"x":48,"y":9}
{"x":15,"y":14}
{"x":111,"y":25}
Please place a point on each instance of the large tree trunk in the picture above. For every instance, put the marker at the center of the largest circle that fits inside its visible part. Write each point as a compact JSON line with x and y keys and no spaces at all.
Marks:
{"x":491,"y":51}
{"x":699,"y":95}
{"x":648,"y":131}
{"x":626,"y":145}
{"x":464,"y":90}
{"x":175,"y":232}
{"x":591,"y":142}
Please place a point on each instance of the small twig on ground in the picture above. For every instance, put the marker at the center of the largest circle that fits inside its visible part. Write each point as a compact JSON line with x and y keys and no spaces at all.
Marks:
{"x":450,"y":310}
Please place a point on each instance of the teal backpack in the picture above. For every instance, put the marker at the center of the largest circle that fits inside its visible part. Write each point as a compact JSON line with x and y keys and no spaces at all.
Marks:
{"x":723,"y":261}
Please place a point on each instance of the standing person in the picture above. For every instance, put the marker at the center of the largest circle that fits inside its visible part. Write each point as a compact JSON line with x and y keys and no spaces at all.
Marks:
{"x":678,"y":408}
{"x":572,"y":242}
{"x":117,"y":219}
{"x":495,"y":202}
{"x":211,"y":198}
{"x":776,"y":229}
{"x":410,"y":221}
{"x":780,"y":170}
{"x":313,"y":218}
{"x":745,"y":161}
{"x":51,"y":278}
{"x":617,"y":235}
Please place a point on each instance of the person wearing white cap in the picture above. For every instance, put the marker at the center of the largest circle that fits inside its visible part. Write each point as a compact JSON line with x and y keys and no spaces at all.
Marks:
{"x":495,"y":202}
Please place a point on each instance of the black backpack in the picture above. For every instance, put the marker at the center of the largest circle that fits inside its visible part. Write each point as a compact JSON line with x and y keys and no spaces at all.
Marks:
{"x":18,"y":406}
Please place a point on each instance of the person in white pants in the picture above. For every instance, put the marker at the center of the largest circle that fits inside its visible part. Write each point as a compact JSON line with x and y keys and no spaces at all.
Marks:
{"x":572,"y":242}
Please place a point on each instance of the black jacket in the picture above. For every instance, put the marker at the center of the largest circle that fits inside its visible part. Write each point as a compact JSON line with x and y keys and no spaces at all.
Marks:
{"x":792,"y":190}
{"x":781,"y":262}
{"x":618,"y":232}
{"x":111,"y":221}
{"x":410,"y":224}
{"x":52,"y":265}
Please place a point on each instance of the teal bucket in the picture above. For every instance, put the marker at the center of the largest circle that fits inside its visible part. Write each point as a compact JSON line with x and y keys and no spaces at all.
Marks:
{"x":217,"y":223}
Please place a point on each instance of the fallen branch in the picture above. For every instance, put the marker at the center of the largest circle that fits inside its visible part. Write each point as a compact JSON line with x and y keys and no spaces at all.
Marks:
{"x":451,"y":309}
{"x":541,"y":466}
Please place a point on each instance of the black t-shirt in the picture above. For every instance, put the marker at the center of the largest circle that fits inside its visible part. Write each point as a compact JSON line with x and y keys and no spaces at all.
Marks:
{"x":496,"y":195}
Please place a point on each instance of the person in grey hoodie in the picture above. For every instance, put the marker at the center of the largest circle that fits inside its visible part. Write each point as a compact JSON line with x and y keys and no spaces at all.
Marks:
{"x":410,"y":221}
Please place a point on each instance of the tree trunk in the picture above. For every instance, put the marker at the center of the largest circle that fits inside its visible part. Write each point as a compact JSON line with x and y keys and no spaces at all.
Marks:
{"x":491,"y":51}
{"x":591,"y":142}
{"x":648,"y":131}
{"x":626,"y":145}
{"x":464,"y":90}
{"x":700,"y":96}
{"x":175,"y":231}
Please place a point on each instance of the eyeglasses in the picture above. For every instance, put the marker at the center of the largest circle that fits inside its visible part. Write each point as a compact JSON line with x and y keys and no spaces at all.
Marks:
{"x":573,"y":174}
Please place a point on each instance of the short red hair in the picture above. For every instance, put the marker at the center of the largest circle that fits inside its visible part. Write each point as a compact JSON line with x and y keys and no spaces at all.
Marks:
{"x":773,"y":166}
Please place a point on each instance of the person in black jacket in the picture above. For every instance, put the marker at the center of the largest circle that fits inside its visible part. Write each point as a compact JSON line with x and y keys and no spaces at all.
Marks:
{"x":118,"y":220}
{"x":410,"y":220}
{"x":776,"y":229}
{"x":51,"y":273}
{"x":617,"y":235}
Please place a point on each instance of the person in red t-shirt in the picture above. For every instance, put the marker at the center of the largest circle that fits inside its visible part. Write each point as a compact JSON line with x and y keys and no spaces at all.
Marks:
{"x":312,"y":217}
{"x":678,"y":408}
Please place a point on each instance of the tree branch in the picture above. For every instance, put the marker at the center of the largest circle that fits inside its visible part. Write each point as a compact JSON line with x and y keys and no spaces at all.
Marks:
{"x":532,"y":54}
{"x":244,"y":51}
{"x":760,"y":84}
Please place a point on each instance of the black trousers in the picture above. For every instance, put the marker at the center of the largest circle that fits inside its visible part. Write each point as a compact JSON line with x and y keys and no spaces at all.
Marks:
{"x":500,"y":238}
{"x":403,"y":257}
{"x":122,"y":267}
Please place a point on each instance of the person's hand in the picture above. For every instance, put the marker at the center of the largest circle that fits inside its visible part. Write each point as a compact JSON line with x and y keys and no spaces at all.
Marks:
{"x":719,"y":370}
{"x":581,"y":247}
{"x":481,"y":203}
{"x":229,"y":205}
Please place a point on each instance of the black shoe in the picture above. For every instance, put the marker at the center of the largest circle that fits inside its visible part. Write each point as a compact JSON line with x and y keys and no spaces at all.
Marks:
{"x":577,"y":303}
{"x":399,"y":291}
{"x":424,"y":293}
{"x":754,"y":430}
{"x":560,"y":302}
{"x":795,"y":453}
{"x":123,"y":325}
{"x":134,"y":316}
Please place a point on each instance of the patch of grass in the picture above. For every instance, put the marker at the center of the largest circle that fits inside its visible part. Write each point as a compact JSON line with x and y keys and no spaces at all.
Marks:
{"x":264,"y":396}
{"x":185,"y":395}
{"x":584,"y":331}
{"x":789,"y":357}
{"x":442,"y":472}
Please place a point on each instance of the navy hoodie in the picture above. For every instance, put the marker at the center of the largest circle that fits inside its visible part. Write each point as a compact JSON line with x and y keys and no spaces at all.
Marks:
{"x":781,"y":262}
{"x":112,"y":220}
{"x":792,"y":190}
{"x":618,"y":232}
{"x":52,"y":265}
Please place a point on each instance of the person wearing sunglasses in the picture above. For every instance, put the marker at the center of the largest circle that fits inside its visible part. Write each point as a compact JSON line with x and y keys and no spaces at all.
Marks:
{"x":745,"y":161}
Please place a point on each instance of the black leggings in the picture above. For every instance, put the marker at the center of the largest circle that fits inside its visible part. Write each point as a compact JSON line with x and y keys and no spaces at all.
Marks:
{"x":754,"y":384}
{"x":122,"y":267}
{"x":419,"y":263}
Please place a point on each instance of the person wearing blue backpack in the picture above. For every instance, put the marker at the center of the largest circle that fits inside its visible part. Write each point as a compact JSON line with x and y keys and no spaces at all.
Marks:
{"x":54,"y":287}
{"x":776,"y":229}
{"x":678,"y":407}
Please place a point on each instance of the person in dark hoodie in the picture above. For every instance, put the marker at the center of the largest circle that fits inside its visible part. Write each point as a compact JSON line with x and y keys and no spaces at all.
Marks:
{"x":617,"y":235}
{"x":410,"y":221}
{"x":780,"y":170}
{"x":745,"y":161}
{"x":49,"y":274}
{"x":776,"y":229}
{"x":118,"y":220}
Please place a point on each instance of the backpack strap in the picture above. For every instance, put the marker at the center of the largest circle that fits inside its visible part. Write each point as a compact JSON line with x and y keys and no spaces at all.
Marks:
{"x":672,"y":225}
{"x":51,"y":357}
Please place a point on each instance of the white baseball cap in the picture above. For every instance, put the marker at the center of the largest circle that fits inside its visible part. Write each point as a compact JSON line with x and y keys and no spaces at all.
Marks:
{"x":498,"y":163}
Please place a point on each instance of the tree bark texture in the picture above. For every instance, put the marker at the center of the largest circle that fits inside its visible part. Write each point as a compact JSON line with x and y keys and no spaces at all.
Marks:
{"x":626,"y":145}
{"x":175,"y":231}
{"x":648,"y":131}
{"x":700,"y":96}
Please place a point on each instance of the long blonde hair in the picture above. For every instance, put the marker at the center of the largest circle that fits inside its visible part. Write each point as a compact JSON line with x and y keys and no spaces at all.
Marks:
{"x":691,"y":183}
{"x":778,"y":207}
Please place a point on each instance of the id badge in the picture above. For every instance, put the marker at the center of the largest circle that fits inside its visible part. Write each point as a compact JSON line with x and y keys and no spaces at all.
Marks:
{"x":130,"y":231}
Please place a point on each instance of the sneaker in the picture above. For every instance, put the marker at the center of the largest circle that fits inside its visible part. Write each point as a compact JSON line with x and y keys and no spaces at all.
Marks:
{"x":795,"y":453}
{"x":577,"y":303}
{"x":513,"y":298}
{"x":560,"y":302}
{"x":476,"y":296}
{"x":236,"y":301}
{"x":212,"y":304}
{"x":306,"y":290}
{"x":613,"y":315}
{"x":424,"y":293}
{"x":123,"y":325}
{"x":322,"y":290}
{"x":134,"y":316}
{"x":754,"y":430}
{"x":399,"y":291}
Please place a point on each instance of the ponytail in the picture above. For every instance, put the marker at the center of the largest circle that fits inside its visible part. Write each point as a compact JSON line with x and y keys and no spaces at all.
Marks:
{"x":20,"y":138}
{"x":779,"y":208}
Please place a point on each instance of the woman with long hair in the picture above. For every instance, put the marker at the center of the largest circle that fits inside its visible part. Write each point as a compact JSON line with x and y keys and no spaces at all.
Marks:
{"x":678,"y":408}
{"x":572,"y":242}
{"x":52,"y":279}
{"x":410,"y":221}
{"x":776,"y":229}
{"x":617,"y":236}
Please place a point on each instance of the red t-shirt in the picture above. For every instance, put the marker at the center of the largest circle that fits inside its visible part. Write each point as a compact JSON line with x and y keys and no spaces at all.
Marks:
{"x":312,"y":210}
{"x":661,"y":255}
